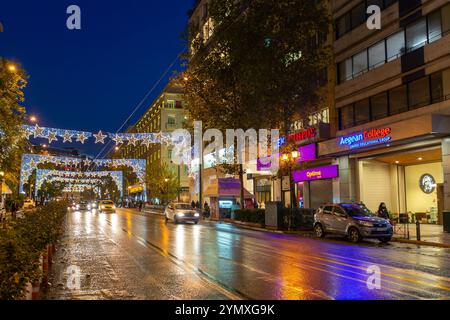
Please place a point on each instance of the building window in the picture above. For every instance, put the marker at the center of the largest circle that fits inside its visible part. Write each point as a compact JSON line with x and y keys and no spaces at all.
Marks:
{"x":358,"y":15}
{"x":379,"y":106}
{"x":434,"y":26}
{"x":362,"y":111}
{"x":359,"y":63}
{"x":169,"y":153}
{"x":170,"y":104}
{"x":346,"y":116}
{"x":395,"y":46}
{"x":419,"y":93}
{"x":171,"y":120}
{"x":437,"y":89}
{"x":416,"y":35}
{"x":377,"y":55}
{"x":398,"y":100}
{"x":345,"y":70}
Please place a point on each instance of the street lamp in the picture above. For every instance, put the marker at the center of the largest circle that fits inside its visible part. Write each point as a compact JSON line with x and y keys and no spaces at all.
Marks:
{"x":2,"y":174}
{"x":33,"y":119}
{"x":290,"y":159}
{"x":12,"y":68}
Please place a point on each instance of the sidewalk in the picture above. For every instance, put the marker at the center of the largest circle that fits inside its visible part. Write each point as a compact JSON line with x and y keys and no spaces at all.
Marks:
{"x":429,"y":233}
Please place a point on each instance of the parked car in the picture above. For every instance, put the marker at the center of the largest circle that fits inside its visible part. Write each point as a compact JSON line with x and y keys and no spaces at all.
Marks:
{"x":181,"y":212}
{"x":28,"y":204}
{"x":352,"y":220}
{"x":106,"y":206}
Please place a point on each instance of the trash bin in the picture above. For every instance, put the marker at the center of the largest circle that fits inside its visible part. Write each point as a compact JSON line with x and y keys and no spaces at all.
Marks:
{"x":446,"y":220}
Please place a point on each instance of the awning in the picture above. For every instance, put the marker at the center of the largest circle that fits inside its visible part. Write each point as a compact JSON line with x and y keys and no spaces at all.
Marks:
{"x":6,"y":189}
{"x":226,"y":187}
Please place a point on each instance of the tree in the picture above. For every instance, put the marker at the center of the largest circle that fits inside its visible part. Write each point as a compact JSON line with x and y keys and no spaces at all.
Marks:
{"x":13,"y":80}
{"x":109,"y":188}
{"x":264,"y":66}
{"x":51,"y":190}
{"x":162,"y":182}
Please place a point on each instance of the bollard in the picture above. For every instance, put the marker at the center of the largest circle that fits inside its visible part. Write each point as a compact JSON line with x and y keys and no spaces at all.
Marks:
{"x":418,"y":230}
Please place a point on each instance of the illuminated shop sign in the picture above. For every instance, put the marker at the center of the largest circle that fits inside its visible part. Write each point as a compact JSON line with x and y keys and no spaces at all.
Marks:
{"x":366,"y":138}
{"x":307,"y":134}
{"x":320,"y":173}
{"x":307,"y":153}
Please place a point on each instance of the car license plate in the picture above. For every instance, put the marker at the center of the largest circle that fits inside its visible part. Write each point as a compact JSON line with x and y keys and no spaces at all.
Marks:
{"x":381,"y":229}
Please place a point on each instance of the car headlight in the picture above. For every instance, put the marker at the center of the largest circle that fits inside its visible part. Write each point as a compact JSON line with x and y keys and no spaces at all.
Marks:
{"x":77,"y":206}
{"x":197,"y":215}
{"x":89,"y":207}
{"x":180,"y":214}
{"x":114,"y":207}
{"x":103,"y":207}
{"x":365,"y":223}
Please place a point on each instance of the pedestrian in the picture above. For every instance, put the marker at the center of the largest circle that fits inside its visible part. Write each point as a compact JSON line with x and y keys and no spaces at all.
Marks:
{"x":255,"y":204}
{"x":14,"y":208}
{"x":193,"y":204}
{"x":206,"y":211}
{"x":197,"y":204}
{"x":383,"y":211}
{"x":141,"y":204}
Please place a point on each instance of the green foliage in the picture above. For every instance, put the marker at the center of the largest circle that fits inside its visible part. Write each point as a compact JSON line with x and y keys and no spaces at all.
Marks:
{"x":264,"y":64}
{"x":251,"y":215}
{"x":51,"y":190}
{"x":12,"y":113}
{"x":162,"y":181}
{"x":21,"y":244}
{"x":109,"y":189}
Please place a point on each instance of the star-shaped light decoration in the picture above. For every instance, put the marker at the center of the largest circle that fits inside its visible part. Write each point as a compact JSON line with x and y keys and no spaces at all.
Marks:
{"x":38,"y":131}
{"x":81,"y":137}
{"x":87,"y":162}
{"x":67,"y":137}
{"x":118,"y":139}
{"x":133,"y":140}
{"x":100,"y":137}
{"x":146,"y":141}
{"x":27,"y":133}
{"x":51,"y":136}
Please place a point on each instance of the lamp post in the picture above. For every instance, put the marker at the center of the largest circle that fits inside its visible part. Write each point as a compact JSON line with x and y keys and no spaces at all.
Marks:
{"x":290,"y":159}
{"x":166,"y":189}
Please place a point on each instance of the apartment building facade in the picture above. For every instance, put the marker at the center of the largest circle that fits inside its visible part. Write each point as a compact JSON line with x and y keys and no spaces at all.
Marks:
{"x":392,"y":101}
{"x":165,"y":114}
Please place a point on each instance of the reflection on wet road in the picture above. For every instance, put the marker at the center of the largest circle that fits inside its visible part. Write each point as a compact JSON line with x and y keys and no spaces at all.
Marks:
{"x":132,"y":256}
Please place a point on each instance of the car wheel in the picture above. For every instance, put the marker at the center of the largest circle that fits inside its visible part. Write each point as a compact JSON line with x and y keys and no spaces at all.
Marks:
{"x":195,"y":222}
{"x":318,"y":230}
{"x":385,"y":239}
{"x":353,"y":235}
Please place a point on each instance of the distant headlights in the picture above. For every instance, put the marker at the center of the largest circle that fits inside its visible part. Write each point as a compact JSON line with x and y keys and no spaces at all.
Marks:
{"x":197,"y":215}
{"x":365,"y":223}
{"x":180,"y":214}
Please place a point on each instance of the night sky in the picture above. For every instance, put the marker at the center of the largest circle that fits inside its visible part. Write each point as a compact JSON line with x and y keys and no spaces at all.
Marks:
{"x":93,"y":78}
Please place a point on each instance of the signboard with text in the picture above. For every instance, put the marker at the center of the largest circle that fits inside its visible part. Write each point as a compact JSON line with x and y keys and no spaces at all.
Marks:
{"x":319,"y":173}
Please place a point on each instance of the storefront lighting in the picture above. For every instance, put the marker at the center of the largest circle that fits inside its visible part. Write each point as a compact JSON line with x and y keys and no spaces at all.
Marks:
{"x":285,"y":157}
{"x":397,"y":162}
{"x":295,"y":154}
{"x":420,"y":159}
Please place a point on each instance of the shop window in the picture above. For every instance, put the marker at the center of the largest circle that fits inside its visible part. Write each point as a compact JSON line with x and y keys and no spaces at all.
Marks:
{"x":437,"y":90}
{"x":362,"y":112}
{"x":359,"y":63}
{"x":416,"y":35}
{"x":434,"y":26}
{"x":377,"y":55}
{"x":171,"y":120}
{"x":345,"y":70}
{"x":379,"y":106}
{"x":346,"y":117}
{"x":398,"y":100}
{"x":419,"y":93}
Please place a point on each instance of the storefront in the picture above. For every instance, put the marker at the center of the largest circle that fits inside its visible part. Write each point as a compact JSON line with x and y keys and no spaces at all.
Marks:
{"x":279,"y":188}
{"x":402,"y":164}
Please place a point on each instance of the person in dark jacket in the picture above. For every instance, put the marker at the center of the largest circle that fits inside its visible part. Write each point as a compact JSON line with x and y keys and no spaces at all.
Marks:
{"x":193,"y":204}
{"x":383,"y":211}
{"x":197,"y":204}
{"x":206,"y":211}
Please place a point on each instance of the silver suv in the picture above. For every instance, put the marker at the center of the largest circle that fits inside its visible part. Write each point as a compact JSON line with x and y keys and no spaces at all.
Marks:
{"x":352,"y":220}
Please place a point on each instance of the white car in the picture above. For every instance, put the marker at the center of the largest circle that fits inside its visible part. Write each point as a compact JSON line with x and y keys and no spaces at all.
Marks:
{"x":181,"y":212}
{"x":28,"y":204}
{"x":106,"y":206}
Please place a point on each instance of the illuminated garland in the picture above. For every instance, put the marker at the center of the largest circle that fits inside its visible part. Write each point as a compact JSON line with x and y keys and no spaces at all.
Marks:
{"x":74,"y":177}
{"x":53,"y":134}
{"x":30,"y":162}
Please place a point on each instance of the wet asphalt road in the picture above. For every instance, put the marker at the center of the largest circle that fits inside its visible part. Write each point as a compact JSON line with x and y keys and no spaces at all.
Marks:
{"x":129,"y":255}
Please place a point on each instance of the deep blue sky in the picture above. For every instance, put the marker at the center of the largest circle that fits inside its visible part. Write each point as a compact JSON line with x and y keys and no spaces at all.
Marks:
{"x":93,"y":78}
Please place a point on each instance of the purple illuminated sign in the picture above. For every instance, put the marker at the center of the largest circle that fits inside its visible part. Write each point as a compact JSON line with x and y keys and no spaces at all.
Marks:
{"x":307,"y":153}
{"x":320,"y":173}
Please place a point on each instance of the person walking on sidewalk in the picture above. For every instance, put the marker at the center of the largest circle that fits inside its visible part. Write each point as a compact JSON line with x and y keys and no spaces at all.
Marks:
{"x":206,"y":211}
{"x":141,"y":204}
{"x":14,"y":208}
{"x":193,"y":204}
